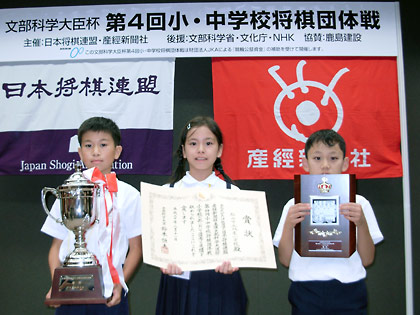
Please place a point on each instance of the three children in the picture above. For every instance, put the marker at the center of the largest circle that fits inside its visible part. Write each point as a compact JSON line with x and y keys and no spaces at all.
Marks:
{"x":318,"y":285}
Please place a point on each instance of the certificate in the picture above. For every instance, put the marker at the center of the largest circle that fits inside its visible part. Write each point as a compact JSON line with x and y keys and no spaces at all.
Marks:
{"x":199,"y":228}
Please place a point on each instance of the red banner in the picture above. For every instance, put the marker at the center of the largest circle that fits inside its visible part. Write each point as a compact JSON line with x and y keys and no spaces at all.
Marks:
{"x":268,"y":107}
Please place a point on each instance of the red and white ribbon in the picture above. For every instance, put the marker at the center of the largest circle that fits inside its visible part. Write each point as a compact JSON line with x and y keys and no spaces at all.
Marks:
{"x":109,"y":224}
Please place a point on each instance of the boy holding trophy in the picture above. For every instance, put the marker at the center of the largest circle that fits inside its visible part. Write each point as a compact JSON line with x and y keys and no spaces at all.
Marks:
{"x":321,"y":285}
{"x":115,"y":239}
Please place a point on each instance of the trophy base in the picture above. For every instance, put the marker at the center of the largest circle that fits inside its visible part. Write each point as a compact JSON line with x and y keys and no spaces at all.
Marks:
{"x":77,"y":285}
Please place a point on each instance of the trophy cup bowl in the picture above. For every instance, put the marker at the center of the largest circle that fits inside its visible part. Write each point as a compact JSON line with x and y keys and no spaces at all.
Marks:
{"x":79,"y":281}
{"x":78,"y":212}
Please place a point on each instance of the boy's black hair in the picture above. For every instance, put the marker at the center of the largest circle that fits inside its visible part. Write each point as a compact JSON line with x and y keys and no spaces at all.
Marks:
{"x":196,"y":122}
{"x":328,"y":137}
{"x":100,"y":124}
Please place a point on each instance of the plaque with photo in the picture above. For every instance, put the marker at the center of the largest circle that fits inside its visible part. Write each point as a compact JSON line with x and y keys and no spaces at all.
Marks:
{"x":325,"y":232}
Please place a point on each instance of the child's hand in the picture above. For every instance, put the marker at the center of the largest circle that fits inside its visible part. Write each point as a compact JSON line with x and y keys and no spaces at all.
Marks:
{"x":226,"y":268}
{"x":48,"y":296}
{"x":297,"y":214}
{"x":353,"y":212}
{"x":172,"y":269}
{"x":116,"y":295}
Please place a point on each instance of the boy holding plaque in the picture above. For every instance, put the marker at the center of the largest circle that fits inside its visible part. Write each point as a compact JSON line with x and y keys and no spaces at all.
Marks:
{"x":323,"y":285}
{"x":116,"y":239}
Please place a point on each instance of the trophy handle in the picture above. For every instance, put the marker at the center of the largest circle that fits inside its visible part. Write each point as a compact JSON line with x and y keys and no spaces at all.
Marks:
{"x":44,"y":193}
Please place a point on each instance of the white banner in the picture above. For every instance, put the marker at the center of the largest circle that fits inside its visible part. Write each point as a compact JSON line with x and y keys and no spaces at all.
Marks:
{"x":199,"y":30}
{"x":43,"y":105}
{"x":200,"y":228}
{"x":61,"y":96}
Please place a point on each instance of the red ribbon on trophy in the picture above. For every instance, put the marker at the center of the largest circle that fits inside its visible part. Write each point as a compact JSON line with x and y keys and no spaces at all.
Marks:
{"x":109,"y":185}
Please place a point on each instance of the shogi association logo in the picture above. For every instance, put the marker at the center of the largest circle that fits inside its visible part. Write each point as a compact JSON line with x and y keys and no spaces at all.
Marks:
{"x":309,"y":104}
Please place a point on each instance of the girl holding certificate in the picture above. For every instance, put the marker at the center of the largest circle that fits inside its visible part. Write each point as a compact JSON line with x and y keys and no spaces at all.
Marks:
{"x":218,"y":291}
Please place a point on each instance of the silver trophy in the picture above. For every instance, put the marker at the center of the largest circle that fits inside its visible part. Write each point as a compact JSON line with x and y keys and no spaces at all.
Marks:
{"x":80,"y":278}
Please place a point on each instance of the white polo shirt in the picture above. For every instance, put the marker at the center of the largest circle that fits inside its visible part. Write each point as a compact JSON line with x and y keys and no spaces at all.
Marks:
{"x":128,"y":223}
{"x":328,"y":268}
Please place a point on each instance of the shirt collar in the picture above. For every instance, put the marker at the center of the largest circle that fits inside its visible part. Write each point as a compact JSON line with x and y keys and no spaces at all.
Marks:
{"x":209,"y":181}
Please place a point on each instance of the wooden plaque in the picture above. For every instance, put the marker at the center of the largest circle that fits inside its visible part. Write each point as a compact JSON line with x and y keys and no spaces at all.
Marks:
{"x":77,"y":285}
{"x":325,"y":232}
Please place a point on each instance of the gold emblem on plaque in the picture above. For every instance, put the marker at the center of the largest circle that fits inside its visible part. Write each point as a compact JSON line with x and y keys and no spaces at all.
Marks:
{"x":324,"y":187}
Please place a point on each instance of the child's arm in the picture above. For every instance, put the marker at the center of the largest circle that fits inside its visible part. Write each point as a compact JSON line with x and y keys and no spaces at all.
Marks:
{"x":53,"y":261}
{"x":130,"y":265}
{"x":53,"y":258}
{"x":295,"y":215}
{"x":133,"y":258}
{"x":354,"y":212}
